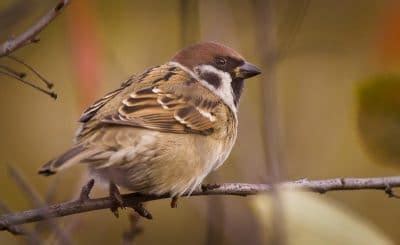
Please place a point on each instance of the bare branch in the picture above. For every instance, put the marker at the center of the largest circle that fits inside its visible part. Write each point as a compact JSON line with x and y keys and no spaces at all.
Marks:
{"x":48,"y":198}
{"x":27,"y":37}
{"x":51,"y":191}
{"x":27,"y":189}
{"x":235,"y":189}
{"x":272,"y":131}
{"x":31,"y":237}
{"x":86,"y":189}
{"x":36,"y":200}
{"x":29,"y":83}
{"x":30,"y":35}
{"x":10,"y":70}
{"x":44,"y":80}
{"x":141,"y":210}
{"x":15,"y":230}
{"x":129,"y":236}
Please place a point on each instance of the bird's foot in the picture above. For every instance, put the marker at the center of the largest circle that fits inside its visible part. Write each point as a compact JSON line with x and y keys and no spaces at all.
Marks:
{"x":116,"y":198}
{"x":174,"y":202}
{"x":141,"y":210}
{"x":389,"y":191}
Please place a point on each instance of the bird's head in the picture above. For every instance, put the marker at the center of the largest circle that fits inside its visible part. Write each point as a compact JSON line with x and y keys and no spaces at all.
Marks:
{"x":219,"y":68}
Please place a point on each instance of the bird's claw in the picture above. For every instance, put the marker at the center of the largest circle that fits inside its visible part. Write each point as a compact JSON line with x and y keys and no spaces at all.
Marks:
{"x":142,"y":211}
{"x":116,"y":199}
{"x":174,"y":202}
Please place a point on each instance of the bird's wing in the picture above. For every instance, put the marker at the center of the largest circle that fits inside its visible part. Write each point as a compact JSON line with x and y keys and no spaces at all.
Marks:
{"x":180,"y":105}
{"x":89,"y":113}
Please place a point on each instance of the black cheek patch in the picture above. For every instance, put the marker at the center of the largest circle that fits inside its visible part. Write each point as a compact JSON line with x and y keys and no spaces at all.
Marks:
{"x":211,"y":78}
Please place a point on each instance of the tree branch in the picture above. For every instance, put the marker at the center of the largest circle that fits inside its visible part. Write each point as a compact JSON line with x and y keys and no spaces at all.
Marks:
{"x":29,"y":83}
{"x":43,"y":79}
{"x":12,"y":71}
{"x":129,"y":236}
{"x":86,"y":204}
{"x":32,"y":237}
{"x":30,"y":35}
{"x":37,"y":201}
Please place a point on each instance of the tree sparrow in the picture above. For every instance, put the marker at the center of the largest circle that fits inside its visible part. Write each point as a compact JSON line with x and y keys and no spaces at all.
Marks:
{"x":165,"y":130}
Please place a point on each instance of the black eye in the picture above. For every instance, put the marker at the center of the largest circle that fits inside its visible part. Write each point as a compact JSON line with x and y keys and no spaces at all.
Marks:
{"x":220,"y":61}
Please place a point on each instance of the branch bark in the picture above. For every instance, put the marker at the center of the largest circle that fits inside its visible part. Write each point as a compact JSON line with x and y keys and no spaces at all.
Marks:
{"x":30,"y":35}
{"x":86,"y":204}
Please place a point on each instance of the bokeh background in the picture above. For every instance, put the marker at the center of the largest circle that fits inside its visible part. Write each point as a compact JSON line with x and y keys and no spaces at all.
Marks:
{"x":327,"y":103}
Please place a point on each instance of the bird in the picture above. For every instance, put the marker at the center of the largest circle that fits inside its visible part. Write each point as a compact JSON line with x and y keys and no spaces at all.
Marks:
{"x":165,"y":130}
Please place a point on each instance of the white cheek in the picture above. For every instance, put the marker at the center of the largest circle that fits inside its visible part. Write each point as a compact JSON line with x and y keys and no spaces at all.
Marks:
{"x":225,"y":90}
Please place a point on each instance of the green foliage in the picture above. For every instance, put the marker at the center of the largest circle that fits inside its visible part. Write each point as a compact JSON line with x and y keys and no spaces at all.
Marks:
{"x":379,"y":117}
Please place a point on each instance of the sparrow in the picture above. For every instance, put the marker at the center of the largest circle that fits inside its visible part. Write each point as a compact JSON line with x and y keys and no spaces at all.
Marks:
{"x":164,"y":131}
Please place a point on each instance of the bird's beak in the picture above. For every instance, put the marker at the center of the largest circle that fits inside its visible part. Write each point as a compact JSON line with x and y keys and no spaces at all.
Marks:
{"x":247,"y":70}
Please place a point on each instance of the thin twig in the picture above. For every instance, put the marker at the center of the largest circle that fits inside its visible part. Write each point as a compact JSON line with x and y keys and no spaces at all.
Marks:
{"x":26,"y":188}
{"x":189,"y":19}
{"x":15,"y":230}
{"x":298,"y":22}
{"x":51,"y":192}
{"x":215,"y":223}
{"x":85,"y":191}
{"x":215,"y":220}
{"x":44,"y":80}
{"x":10,"y":70}
{"x":37,"y":201}
{"x":30,"y":35}
{"x":29,"y":83}
{"x":235,"y":189}
{"x":31,"y":237}
{"x":48,"y":198}
{"x":129,"y":236}
{"x":265,"y":17}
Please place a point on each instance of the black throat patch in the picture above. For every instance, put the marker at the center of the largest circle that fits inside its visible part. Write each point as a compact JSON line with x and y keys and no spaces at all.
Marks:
{"x":237,"y":89}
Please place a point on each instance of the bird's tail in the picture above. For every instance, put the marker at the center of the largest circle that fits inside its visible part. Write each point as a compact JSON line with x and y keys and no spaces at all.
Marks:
{"x":68,"y":158}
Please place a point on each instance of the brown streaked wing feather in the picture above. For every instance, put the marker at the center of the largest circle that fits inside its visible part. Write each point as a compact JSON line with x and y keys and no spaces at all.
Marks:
{"x":177,"y":107}
{"x":96,"y":106}
{"x":91,"y":117}
{"x":92,"y":110}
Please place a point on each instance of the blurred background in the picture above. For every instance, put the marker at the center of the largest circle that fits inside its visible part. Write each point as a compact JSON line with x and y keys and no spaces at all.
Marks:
{"x":326,"y":105}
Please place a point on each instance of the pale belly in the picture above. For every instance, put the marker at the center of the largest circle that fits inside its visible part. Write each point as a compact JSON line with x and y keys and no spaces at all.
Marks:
{"x":176,"y":164}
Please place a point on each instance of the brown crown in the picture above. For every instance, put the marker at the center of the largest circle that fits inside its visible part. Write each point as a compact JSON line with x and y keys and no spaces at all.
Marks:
{"x":204,"y":53}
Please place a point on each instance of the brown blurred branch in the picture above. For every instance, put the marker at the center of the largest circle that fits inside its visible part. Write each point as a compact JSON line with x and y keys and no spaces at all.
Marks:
{"x":31,"y":237}
{"x":30,"y":35}
{"x":129,"y":236}
{"x":29,"y":67}
{"x":12,"y":71}
{"x":29,"y":83}
{"x":36,"y":200}
{"x":272,"y":130}
{"x":86,"y":204}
